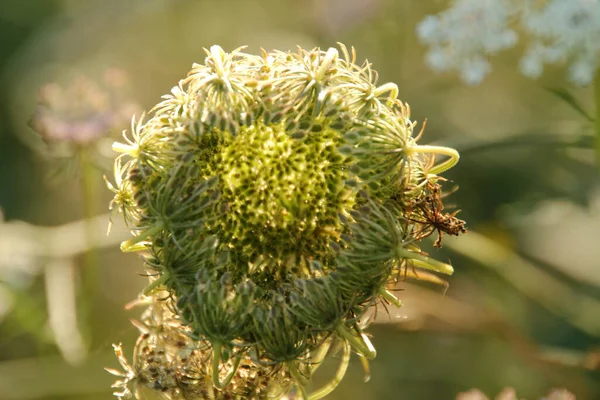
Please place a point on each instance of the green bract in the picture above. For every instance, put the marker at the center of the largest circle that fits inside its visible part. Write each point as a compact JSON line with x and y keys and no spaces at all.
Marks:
{"x":276,"y":197}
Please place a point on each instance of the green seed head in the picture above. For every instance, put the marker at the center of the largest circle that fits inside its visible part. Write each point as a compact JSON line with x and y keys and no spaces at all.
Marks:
{"x":277,"y":196}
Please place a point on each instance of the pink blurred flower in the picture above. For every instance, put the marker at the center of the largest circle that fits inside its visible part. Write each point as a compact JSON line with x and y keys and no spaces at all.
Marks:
{"x":83,"y":111}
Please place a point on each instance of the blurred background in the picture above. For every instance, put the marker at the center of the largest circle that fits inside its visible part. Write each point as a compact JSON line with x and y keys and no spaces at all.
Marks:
{"x":522,"y":309}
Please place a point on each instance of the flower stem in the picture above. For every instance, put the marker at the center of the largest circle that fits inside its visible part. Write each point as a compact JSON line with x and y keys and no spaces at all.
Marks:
{"x":157,"y":282}
{"x":366,"y":368}
{"x":216,"y":362}
{"x":597,"y":99}
{"x":89,"y":274}
{"x":301,"y":381}
{"x":319,"y":356}
{"x":303,"y":393}
{"x":387,"y":295}
{"x":361,"y":344}
{"x":339,"y":375}
{"x":129,"y":246}
{"x":424,"y":261}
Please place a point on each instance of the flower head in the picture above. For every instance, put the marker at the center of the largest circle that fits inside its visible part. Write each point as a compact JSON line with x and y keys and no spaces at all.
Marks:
{"x":462,"y":36}
{"x":563,"y":31}
{"x":276,"y":198}
{"x":84,"y":111}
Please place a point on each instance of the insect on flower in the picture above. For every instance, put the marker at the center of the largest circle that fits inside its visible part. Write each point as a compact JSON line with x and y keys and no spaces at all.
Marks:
{"x":428,"y":214}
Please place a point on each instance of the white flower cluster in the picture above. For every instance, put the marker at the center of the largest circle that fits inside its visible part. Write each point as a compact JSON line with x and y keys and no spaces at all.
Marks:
{"x":557,"y":32}
{"x":462,"y":36}
{"x":564,"y":30}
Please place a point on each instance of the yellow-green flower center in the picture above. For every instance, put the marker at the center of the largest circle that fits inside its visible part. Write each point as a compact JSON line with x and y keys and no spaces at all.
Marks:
{"x":281,"y":196}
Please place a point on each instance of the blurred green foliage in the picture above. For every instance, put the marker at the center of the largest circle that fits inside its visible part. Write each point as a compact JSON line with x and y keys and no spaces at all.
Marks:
{"x":528,"y":182}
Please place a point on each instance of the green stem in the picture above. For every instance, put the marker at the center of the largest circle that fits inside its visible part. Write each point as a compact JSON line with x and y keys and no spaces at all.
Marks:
{"x":319,"y":356}
{"x":424,"y":261}
{"x":360,"y":343}
{"x":366,"y":368}
{"x":387,"y":295}
{"x":441,"y":150}
{"x":296,"y":373}
{"x":129,"y":245}
{"x":157,"y":282}
{"x":216,"y":362}
{"x":89,"y":274}
{"x":597,"y":98}
{"x":211,"y":389}
{"x":303,"y":392}
{"x":339,"y":375}
{"x":301,"y":381}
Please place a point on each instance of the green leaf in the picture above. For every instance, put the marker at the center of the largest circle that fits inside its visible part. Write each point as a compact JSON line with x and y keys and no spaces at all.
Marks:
{"x":566,"y":96}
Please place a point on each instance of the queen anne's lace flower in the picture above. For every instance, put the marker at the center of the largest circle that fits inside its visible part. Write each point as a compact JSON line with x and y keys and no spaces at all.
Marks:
{"x":462,"y":36}
{"x":563,"y":31}
{"x":84,"y":111}
{"x":276,"y":198}
{"x":554,"y":31}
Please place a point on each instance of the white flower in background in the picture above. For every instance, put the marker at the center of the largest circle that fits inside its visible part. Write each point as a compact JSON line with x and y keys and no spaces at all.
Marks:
{"x":563,"y":31}
{"x":555,"y":32}
{"x":462,"y":36}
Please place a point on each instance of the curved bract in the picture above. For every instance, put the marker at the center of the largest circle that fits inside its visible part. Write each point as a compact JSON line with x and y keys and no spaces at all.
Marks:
{"x":276,"y":197}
